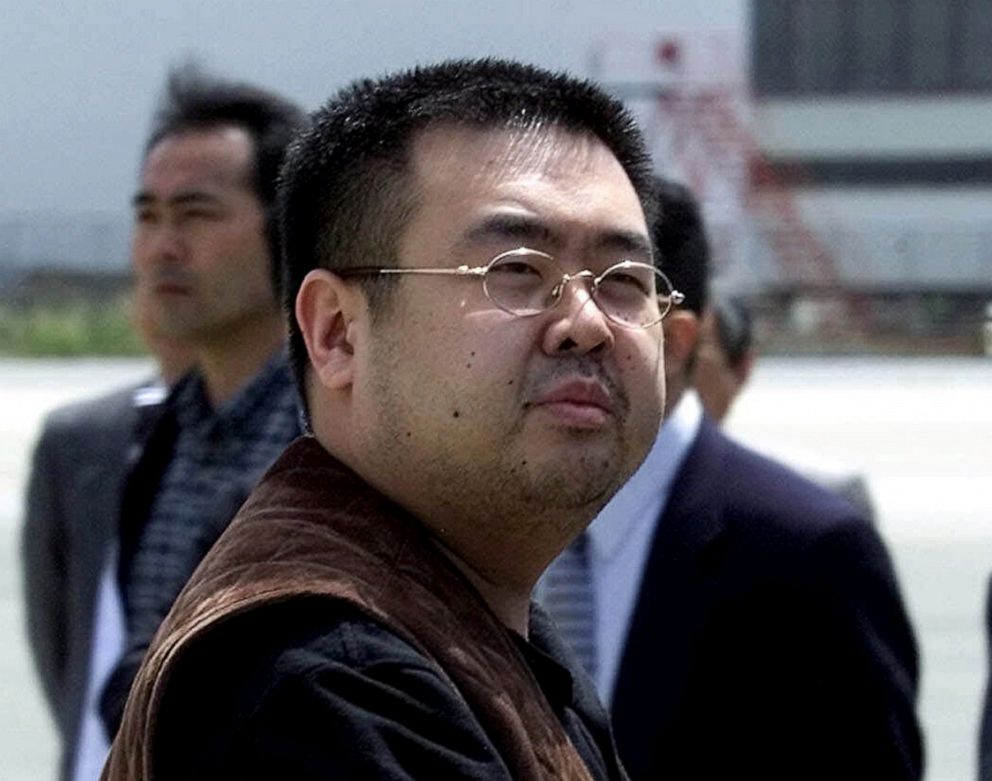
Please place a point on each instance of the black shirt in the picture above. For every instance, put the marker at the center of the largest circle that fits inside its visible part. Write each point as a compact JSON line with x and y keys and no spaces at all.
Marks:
{"x":314,"y":689}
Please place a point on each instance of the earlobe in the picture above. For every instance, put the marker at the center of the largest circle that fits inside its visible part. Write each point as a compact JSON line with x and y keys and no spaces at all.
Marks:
{"x":325,"y":310}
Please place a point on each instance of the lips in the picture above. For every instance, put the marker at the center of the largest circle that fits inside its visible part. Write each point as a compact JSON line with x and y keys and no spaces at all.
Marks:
{"x":577,"y":402}
{"x":169,"y":289}
{"x":170,"y":284}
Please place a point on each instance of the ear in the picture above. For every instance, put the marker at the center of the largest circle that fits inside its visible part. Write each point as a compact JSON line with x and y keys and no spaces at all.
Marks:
{"x":681,"y":334}
{"x":742,"y":369}
{"x":326,"y":308}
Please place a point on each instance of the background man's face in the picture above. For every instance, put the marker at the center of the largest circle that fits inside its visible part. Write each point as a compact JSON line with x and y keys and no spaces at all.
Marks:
{"x":474,"y":408}
{"x":199,"y":249}
{"x":715,"y":380}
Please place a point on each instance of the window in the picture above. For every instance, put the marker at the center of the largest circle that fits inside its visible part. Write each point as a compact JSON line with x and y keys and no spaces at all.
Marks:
{"x":837,"y":47}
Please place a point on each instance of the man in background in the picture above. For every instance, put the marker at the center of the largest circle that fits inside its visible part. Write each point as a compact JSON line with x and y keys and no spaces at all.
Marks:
{"x":985,"y":727}
{"x":739,"y":621}
{"x":71,"y":515}
{"x":725,"y":357}
{"x":205,"y":255}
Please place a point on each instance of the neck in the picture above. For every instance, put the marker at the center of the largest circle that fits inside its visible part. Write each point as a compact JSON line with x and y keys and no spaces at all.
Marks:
{"x":229,"y":362}
{"x":505,"y":566}
{"x":510,"y":603}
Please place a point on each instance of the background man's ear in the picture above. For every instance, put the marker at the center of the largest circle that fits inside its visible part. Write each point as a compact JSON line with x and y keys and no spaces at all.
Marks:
{"x":743,"y":368}
{"x":325,"y":309}
{"x":681,"y":335}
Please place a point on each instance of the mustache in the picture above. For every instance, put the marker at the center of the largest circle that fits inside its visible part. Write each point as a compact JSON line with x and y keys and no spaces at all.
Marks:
{"x":579,"y":366}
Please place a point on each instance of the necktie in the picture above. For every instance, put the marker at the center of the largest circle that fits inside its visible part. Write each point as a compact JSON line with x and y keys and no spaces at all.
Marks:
{"x":567,"y":593}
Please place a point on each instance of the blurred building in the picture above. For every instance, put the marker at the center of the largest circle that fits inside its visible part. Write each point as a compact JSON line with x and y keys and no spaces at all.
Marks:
{"x":843,"y":154}
{"x":878,"y":112}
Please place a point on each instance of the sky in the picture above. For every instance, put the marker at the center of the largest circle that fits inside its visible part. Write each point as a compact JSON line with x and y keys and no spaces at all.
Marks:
{"x":79,"y":79}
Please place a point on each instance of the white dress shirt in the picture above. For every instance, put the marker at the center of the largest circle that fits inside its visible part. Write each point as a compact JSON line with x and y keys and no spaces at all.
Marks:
{"x":108,"y":638}
{"x":621,"y":537}
{"x":108,"y":645}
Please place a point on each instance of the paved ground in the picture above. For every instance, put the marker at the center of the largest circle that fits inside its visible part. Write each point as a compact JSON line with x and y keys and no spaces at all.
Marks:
{"x":920,"y":429}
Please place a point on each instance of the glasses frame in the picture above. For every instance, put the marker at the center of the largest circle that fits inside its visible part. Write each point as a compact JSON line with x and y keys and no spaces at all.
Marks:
{"x":674,"y":297}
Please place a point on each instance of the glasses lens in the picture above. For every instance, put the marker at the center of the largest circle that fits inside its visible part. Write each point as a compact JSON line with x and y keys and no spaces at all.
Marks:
{"x":633,"y":294}
{"x":522,"y":281}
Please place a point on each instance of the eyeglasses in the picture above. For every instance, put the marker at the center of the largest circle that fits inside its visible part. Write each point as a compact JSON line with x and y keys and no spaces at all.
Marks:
{"x":525,"y":282}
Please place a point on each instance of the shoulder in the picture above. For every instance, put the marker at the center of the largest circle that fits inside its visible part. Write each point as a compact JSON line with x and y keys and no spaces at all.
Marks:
{"x":753,"y":484}
{"x":292,"y":689}
{"x":770,"y":512}
{"x":110,"y":410}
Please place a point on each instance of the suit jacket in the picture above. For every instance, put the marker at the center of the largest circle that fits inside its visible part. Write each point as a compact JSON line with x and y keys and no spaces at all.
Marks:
{"x":96,"y":470}
{"x":71,"y":516}
{"x":985,"y":730}
{"x":849,"y":484}
{"x":769,"y":639}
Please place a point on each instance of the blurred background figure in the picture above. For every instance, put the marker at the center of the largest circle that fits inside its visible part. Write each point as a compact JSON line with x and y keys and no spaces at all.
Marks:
{"x":725,"y":357}
{"x":985,"y":728}
{"x":75,"y":621}
{"x":128,"y":493}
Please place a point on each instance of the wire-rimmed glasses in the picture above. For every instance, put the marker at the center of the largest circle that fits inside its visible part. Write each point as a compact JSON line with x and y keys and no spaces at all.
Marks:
{"x":525,"y":282}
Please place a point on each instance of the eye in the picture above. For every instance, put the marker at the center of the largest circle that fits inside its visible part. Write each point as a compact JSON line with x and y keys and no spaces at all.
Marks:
{"x":514,"y":267}
{"x":628,"y":280}
{"x":198,"y":214}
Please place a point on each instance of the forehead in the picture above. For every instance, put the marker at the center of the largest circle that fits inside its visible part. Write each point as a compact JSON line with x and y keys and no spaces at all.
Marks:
{"x":209,"y":158}
{"x":559,"y":178}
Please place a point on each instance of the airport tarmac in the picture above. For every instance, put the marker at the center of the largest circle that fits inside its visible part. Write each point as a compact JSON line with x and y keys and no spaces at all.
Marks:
{"x":919,"y":429}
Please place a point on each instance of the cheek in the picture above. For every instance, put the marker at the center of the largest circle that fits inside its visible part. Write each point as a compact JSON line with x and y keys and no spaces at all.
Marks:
{"x":641,"y":365}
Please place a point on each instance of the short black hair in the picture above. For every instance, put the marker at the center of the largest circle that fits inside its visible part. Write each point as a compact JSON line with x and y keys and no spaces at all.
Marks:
{"x":734,"y":328}
{"x":682,"y":250}
{"x":345,"y":193}
{"x":195,"y":100}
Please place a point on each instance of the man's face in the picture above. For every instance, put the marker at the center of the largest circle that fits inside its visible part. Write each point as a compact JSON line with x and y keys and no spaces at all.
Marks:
{"x":199,"y":249}
{"x":466,"y":408}
{"x":715,"y":380}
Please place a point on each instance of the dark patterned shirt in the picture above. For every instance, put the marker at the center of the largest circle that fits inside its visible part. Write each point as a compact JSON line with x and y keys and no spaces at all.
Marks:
{"x":218,"y":457}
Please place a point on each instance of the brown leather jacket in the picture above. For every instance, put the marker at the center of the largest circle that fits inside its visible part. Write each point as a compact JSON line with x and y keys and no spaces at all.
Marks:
{"x":307,"y":530}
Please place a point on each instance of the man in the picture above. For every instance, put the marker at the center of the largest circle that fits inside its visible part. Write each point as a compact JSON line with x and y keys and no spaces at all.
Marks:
{"x":722,"y":366}
{"x":478,"y":336}
{"x":205,"y":257}
{"x":71,"y":512}
{"x":747,"y":624}
{"x":985,"y":725}
{"x":75,"y":628}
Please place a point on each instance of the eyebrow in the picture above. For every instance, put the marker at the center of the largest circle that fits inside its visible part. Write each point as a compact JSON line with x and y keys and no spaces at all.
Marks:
{"x":144,"y":198}
{"x":509,"y":226}
{"x":625,"y":242}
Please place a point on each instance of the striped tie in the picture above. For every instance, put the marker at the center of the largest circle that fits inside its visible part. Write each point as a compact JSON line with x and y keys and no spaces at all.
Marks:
{"x":567,"y":593}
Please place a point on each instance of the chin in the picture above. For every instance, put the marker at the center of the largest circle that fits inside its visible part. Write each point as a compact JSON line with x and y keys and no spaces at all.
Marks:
{"x":584,"y":480}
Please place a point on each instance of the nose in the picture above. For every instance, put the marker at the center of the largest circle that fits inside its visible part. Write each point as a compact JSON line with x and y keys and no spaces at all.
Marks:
{"x":577,"y":325}
{"x":157,"y":243}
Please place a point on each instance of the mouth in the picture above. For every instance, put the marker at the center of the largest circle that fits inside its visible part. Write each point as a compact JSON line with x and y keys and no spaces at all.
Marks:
{"x":171,"y":289}
{"x":582,"y":403}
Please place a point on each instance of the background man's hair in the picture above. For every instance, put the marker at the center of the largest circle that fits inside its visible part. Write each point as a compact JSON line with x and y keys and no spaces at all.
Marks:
{"x":346,"y":193}
{"x":196,"y":100}
{"x":682,"y":250}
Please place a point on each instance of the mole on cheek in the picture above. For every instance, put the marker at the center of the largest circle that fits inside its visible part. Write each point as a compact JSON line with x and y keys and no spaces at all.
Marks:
{"x":455,"y":414}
